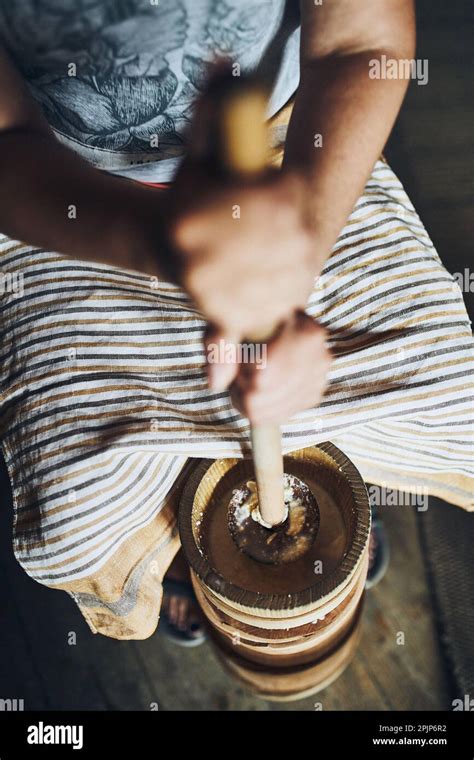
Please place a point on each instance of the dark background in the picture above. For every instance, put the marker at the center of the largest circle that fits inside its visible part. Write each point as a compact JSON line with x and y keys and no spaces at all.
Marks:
{"x":432,"y":146}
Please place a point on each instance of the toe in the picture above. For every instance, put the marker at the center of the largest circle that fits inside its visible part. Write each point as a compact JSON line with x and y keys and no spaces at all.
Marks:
{"x":173,"y":609}
{"x":183,"y":608}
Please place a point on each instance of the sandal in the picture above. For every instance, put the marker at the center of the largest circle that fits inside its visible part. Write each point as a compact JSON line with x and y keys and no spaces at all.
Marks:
{"x":192,"y":636}
{"x":379,"y":551}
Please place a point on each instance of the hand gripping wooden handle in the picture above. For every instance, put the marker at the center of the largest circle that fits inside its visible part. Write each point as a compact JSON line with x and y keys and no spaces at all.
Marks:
{"x":243,"y":143}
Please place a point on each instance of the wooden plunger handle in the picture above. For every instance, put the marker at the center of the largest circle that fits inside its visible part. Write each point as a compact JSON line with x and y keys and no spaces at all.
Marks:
{"x":243,"y":137}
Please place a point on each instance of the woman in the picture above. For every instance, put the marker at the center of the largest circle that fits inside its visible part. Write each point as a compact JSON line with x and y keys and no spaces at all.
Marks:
{"x":104,"y":387}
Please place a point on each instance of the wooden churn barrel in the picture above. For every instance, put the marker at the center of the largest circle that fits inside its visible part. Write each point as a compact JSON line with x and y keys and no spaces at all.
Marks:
{"x":285,"y":631}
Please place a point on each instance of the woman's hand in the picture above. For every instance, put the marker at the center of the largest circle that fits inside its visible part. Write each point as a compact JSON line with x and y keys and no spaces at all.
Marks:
{"x":243,"y":251}
{"x":289,"y":376}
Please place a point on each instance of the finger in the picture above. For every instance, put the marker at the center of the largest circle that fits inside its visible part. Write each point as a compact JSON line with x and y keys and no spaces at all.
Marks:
{"x":296,"y":394}
{"x":254,"y":403}
{"x":260,"y":408}
{"x":276,"y":411}
{"x":289,"y":364}
{"x":294,"y":377}
{"x":221,"y":358}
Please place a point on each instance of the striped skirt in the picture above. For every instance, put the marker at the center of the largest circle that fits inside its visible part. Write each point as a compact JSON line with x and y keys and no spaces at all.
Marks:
{"x":105,"y":403}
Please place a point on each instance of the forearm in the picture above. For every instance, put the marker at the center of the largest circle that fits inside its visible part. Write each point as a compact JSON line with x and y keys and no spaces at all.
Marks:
{"x":353,"y":115}
{"x":51,"y":198}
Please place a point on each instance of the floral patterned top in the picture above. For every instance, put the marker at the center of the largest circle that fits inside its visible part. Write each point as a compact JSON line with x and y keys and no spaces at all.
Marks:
{"x":117,"y":78}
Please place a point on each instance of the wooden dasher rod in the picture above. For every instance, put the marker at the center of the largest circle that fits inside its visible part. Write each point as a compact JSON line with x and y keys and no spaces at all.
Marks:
{"x":243,"y":138}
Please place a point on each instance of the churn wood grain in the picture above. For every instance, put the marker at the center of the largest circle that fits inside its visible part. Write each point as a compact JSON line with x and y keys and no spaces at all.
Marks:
{"x":385,"y":675}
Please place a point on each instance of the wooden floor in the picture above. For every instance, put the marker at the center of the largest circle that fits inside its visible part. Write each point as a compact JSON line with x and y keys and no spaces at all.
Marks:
{"x":430,"y":152}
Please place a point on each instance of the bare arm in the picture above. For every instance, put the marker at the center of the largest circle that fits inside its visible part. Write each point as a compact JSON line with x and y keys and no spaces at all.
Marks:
{"x":354,"y":115}
{"x":40,"y":179}
{"x":338,"y":100}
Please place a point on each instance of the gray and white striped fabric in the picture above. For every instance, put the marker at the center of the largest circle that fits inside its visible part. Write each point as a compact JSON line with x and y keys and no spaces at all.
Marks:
{"x":104,"y":399}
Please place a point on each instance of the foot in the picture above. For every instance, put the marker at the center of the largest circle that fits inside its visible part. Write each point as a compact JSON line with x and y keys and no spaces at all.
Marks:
{"x":181,"y":610}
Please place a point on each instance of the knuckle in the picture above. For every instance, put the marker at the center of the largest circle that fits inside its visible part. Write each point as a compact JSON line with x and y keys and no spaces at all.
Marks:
{"x":194,"y":279}
{"x":310,"y":332}
{"x":182,"y":231}
{"x":328,"y":357}
{"x":190,"y":278}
